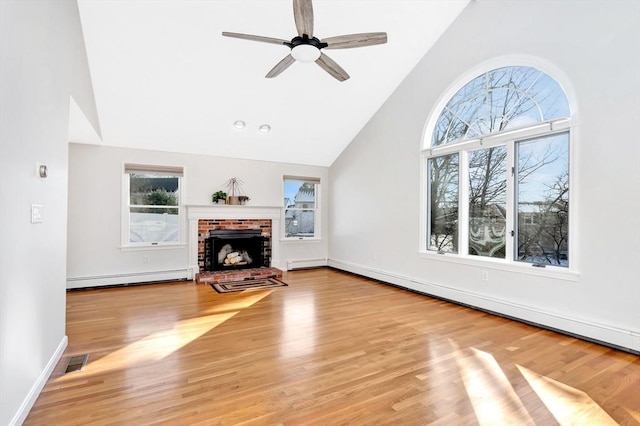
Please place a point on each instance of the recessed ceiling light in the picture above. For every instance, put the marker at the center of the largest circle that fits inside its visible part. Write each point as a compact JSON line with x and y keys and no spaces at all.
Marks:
{"x":264,"y":128}
{"x":239,"y":124}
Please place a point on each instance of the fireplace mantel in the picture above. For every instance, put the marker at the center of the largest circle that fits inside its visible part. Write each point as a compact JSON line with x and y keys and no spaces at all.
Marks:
{"x":227,"y":211}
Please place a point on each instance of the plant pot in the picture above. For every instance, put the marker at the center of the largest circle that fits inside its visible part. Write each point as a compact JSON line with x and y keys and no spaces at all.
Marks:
{"x":234,"y":200}
{"x":221,"y":202}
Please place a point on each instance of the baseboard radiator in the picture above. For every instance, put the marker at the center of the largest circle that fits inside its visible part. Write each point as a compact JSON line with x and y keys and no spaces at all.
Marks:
{"x":305,"y":263}
{"x":129,"y":278}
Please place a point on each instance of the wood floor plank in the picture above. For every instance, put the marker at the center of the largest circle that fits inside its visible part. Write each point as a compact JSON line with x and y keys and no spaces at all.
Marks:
{"x":331,"y":348}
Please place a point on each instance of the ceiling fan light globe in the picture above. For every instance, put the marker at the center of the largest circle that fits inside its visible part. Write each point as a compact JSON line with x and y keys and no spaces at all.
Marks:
{"x":305,"y":53}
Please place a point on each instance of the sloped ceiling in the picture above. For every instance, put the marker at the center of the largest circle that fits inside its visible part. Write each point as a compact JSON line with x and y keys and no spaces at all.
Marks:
{"x":165,"y":78}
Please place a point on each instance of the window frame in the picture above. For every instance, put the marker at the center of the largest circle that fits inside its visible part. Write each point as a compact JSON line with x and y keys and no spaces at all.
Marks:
{"x":509,"y":138}
{"x":316,"y":209}
{"x":127,"y":168}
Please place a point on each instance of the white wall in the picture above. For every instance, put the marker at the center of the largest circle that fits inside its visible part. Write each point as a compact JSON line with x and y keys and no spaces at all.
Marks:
{"x":375,"y":183}
{"x":95,"y":256}
{"x":42,"y":64}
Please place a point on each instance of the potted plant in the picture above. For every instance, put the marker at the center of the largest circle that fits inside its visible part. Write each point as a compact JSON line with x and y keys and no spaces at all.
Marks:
{"x":219,"y":197}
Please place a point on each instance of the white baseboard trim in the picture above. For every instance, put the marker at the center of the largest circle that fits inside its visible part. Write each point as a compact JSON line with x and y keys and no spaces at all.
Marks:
{"x":35,"y":390}
{"x":590,"y":330}
{"x":130,"y":278}
{"x":305,"y":263}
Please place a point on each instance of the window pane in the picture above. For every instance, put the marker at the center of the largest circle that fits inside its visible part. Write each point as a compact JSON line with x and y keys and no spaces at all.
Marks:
{"x":487,"y":202}
{"x":299,"y":223}
{"x":300,"y":204}
{"x":501,"y":99}
{"x":543,"y":200}
{"x":159,"y":223}
{"x":443,"y":209}
{"x":153,"y":190}
{"x":153,"y":225}
{"x":299,"y":193}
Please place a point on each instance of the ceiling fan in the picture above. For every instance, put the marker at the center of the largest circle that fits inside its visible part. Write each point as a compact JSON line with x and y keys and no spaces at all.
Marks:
{"x":307,"y":48}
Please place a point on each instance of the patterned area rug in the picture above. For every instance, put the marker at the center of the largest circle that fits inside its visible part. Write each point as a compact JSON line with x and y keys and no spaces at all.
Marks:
{"x":257,"y":284}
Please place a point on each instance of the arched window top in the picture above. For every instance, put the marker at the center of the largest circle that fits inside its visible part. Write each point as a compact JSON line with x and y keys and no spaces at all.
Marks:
{"x":498,"y":100}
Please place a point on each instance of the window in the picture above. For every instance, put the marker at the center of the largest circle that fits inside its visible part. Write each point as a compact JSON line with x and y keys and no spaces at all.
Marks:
{"x":497,"y":170}
{"x":301,"y":207}
{"x":543,"y":200}
{"x":153,"y":205}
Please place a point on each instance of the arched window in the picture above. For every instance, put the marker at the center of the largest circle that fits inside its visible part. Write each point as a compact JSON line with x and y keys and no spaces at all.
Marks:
{"x":497,"y":170}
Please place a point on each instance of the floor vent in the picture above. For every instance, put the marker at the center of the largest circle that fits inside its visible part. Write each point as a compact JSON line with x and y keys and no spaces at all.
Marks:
{"x":76,"y":363}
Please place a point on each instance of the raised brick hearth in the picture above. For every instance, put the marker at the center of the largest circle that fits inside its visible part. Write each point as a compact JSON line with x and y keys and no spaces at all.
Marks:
{"x":217,"y":277}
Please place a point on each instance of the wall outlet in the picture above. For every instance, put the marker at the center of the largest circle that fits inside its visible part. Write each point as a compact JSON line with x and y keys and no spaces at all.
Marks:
{"x":146,"y":259}
{"x":485,"y":275}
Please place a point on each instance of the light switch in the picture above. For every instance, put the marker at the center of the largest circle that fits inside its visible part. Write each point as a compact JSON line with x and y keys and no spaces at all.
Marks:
{"x":36,"y":213}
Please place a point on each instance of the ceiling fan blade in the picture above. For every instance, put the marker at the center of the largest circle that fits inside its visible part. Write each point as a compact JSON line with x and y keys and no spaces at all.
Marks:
{"x":280,"y":66}
{"x":255,"y":38}
{"x":355,"y":40}
{"x":303,"y":15}
{"x":330,"y":66}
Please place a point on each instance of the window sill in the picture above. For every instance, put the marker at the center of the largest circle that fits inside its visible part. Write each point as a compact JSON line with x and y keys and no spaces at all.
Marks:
{"x":158,"y":246}
{"x":503,"y":265}
{"x":301,"y":240}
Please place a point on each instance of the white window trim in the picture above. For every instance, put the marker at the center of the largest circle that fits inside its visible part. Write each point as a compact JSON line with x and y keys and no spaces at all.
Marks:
{"x":572,"y":125}
{"x":125,"y":245}
{"x":317,"y":216}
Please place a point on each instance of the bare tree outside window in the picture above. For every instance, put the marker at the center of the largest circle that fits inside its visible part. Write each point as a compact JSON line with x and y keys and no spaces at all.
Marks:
{"x":497,"y":101}
{"x":443,"y":179}
{"x":543,"y":200}
{"x":488,"y":201}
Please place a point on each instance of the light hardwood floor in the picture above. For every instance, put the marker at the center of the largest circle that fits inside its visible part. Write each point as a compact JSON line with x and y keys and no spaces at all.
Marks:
{"x":332,"y":348}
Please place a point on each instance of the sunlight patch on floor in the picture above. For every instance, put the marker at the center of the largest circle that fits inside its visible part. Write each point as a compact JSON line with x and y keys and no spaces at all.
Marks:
{"x":493,"y":399}
{"x":161,"y":344}
{"x":298,"y":326}
{"x":567,"y":404}
{"x":238,"y":301}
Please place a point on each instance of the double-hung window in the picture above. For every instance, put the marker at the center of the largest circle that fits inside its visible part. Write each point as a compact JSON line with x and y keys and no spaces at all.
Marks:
{"x":497,"y":170}
{"x":301,"y":210}
{"x":153,"y":206}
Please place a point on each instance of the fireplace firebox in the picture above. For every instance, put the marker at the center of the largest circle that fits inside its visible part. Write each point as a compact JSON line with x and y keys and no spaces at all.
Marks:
{"x":231,"y":249}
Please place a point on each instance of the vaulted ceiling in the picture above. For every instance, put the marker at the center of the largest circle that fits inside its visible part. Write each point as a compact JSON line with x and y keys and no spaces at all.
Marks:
{"x":166,"y":79}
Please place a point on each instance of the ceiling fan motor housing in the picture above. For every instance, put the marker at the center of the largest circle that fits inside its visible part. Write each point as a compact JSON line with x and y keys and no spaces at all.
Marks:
{"x":313,"y":41}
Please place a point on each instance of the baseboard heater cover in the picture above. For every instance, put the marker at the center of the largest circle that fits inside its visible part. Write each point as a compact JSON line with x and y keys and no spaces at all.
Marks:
{"x":305,"y":263}
{"x":129,"y":278}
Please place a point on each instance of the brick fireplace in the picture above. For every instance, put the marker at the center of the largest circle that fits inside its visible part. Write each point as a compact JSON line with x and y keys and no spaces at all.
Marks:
{"x":204,"y":219}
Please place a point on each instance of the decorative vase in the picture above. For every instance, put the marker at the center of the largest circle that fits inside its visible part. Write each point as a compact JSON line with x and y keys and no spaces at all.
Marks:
{"x":234,"y":199}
